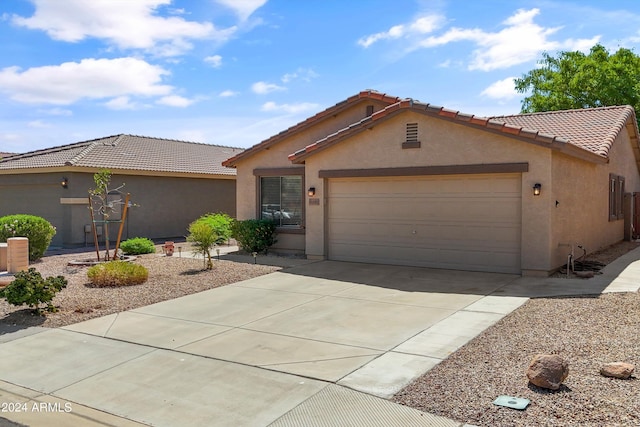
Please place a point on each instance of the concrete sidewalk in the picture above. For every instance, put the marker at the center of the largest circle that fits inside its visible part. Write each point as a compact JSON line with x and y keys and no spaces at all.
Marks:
{"x":320,"y":344}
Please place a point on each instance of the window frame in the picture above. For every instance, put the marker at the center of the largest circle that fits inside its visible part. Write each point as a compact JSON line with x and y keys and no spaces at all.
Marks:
{"x":616,"y":197}
{"x":281,"y":172}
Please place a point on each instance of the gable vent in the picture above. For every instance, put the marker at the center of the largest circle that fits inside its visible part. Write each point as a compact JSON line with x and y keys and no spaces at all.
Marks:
{"x":369,"y":111}
{"x":411,"y":137}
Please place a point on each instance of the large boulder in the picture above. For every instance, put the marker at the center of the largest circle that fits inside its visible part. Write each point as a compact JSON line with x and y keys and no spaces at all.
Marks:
{"x":548,"y":371}
{"x":617,"y":370}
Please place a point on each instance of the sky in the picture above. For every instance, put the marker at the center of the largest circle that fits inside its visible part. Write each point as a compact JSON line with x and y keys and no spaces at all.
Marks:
{"x":235,"y":72}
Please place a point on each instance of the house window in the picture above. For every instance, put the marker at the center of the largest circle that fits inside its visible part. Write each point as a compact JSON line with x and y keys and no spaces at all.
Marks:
{"x":281,"y":200}
{"x":616,"y":197}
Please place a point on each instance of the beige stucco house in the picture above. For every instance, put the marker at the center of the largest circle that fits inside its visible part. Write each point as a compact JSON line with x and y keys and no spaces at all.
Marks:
{"x":171,"y":184}
{"x":386,"y":180}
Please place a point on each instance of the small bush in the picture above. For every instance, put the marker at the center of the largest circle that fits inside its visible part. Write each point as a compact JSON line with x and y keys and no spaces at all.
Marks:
{"x":138,"y":246}
{"x":38,"y":230}
{"x":254,"y":235}
{"x":30,"y":288}
{"x":117,"y":273}
{"x":221,"y":225}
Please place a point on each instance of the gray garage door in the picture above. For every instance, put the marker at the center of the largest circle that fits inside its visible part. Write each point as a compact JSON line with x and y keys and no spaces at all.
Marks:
{"x":461,"y":222}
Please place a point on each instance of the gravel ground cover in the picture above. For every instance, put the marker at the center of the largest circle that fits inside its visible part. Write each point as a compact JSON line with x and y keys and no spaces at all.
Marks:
{"x":588,"y":332}
{"x":169,"y":277}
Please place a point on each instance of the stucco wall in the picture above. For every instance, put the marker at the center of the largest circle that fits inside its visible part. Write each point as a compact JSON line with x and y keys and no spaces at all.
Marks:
{"x":277,"y":156}
{"x":581,"y":216}
{"x":34,"y":194}
{"x":443,"y":143}
{"x":165,"y":205}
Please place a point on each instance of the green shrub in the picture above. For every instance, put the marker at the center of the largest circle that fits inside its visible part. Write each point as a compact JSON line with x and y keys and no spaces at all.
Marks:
{"x":38,"y":230}
{"x":138,"y":246}
{"x":254,"y":235}
{"x":30,"y":288}
{"x":221,"y":225}
{"x":117,"y":273}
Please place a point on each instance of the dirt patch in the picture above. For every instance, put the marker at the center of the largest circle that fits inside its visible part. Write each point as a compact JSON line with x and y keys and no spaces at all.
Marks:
{"x":599,"y":259}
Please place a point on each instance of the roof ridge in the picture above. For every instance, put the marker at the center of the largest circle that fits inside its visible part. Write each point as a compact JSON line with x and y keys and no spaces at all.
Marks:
{"x":81,"y":154}
{"x":178,"y":140}
{"x":43,"y":151}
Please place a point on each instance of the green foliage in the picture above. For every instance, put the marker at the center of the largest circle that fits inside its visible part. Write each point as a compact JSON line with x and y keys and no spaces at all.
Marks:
{"x":221,"y":225}
{"x":254,"y":235}
{"x":30,"y":288}
{"x":117,"y":273}
{"x":38,"y":230}
{"x":203,"y":237}
{"x":575,"y":80}
{"x":138,"y":246}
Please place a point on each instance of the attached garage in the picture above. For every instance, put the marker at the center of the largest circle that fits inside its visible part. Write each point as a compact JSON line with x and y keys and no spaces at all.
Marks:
{"x":461,"y":222}
{"x":416,"y":184}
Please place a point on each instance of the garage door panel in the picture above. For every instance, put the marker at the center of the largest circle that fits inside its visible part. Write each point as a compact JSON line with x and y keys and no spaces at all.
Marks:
{"x":462,"y":222}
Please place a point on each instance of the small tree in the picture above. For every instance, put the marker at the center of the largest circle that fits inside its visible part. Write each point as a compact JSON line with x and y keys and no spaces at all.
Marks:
{"x":102,"y":205}
{"x":203,"y":237}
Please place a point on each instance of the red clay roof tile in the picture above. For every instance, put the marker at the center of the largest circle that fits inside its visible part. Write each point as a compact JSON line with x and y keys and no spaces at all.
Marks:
{"x":592,"y":130}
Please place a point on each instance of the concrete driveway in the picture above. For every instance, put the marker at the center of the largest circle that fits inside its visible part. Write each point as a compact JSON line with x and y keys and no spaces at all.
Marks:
{"x":321,"y":344}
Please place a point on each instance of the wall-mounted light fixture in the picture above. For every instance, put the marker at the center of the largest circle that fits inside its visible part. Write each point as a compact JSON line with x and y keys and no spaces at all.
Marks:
{"x":64,"y":182}
{"x":312,"y":191}
{"x":536,"y":189}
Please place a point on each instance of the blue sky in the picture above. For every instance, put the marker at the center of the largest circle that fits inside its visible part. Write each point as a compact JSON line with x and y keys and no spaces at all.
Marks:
{"x":234,"y":72}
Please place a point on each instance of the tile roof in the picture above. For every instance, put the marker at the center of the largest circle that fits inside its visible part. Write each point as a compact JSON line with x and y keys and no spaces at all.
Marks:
{"x":592,"y":129}
{"x":586,"y":133}
{"x":305,"y":124}
{"x":130,"y":152}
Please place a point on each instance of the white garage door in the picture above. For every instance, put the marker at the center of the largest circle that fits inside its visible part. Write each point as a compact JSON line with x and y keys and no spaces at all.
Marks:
{"x":461,"y":222}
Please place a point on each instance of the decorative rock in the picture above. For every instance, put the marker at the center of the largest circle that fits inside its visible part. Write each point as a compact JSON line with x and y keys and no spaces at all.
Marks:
{"x":548,"y":371}
{"x":617,"y":370}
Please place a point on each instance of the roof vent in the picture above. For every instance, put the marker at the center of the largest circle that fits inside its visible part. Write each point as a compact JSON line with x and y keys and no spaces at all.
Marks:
{"x":411,"y":138}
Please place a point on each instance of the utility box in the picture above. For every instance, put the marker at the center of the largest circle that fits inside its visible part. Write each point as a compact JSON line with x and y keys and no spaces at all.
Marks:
{"x":17,"y":254}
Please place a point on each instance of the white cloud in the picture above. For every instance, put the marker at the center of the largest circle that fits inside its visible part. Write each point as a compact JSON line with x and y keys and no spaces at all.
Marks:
{"x":521,"y":41}
{"x":289,"y":108}
{"x":88,"y":79}
{"x":121,"y":103}
{"x":422,"y":25}
{"x":228,"y":93}
{"x":175,"y":101}
{"x":125,"y":24}
{"x":243,"y":8}
{"x":502,"y":89}
{"x":305,"y":74}
{"x":215,"y":61}
{"x":38,"y":124}
{"x":57,"y":112}
{"x":262,"y":88}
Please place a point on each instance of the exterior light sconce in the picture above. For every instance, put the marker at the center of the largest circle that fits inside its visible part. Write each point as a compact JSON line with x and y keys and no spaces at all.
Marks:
{"x":312,"y":191}
{"x":536,"y":189}
{"x":64,"y":182}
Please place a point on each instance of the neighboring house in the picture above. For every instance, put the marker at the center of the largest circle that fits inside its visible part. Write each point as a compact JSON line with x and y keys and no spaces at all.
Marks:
{"x":171,"y":184}
{"x":382,"y":180}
